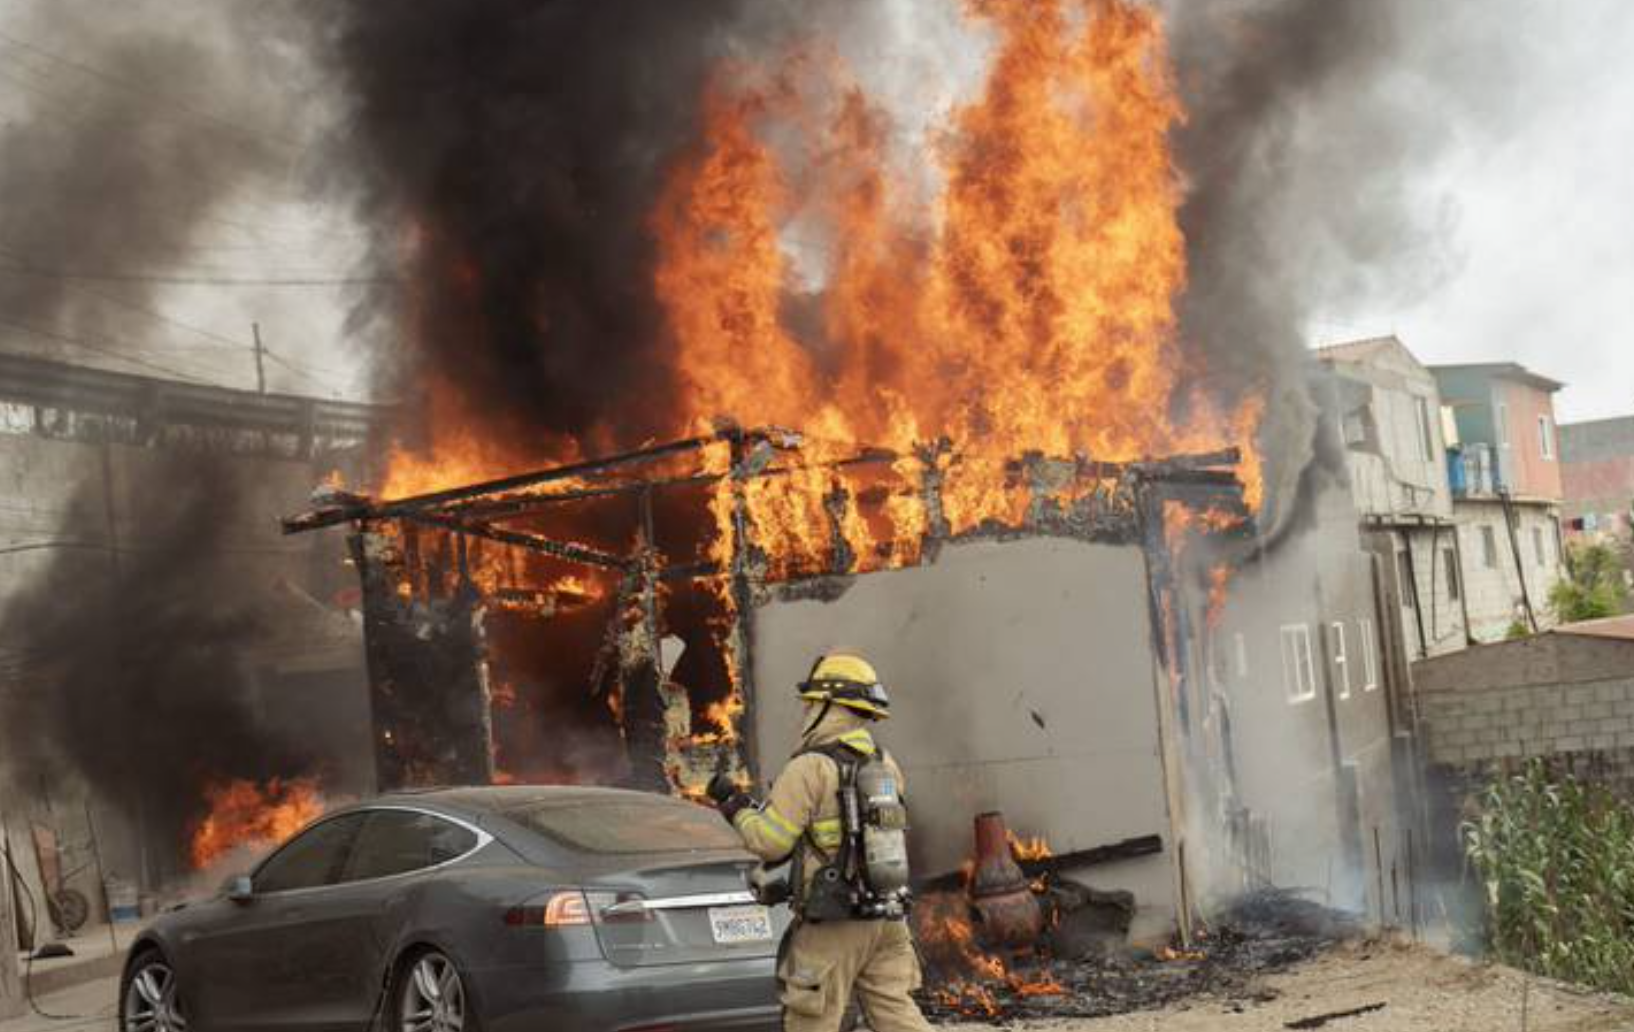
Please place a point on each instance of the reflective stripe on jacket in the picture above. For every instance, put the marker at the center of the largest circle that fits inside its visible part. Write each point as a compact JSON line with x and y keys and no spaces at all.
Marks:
{"x":805,"y":796}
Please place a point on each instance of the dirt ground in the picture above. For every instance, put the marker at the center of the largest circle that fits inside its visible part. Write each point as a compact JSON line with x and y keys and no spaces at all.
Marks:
{"x":1422,"y":991}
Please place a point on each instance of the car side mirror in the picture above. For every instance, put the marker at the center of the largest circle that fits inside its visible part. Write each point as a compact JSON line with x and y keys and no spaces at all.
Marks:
{"x":239,"y":889}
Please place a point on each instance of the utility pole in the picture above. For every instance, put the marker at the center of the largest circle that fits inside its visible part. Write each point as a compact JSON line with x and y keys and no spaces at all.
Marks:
{"x":11,"y":985}
{"x":260,"y":364}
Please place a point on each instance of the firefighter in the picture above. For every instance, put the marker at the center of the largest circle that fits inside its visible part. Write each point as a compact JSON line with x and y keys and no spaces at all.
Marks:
{"x":849,"y":874}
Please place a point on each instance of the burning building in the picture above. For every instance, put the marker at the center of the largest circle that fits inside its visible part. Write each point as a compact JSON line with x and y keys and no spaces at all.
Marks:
{"x":1080,"y":668}
{"x":930,"y":390}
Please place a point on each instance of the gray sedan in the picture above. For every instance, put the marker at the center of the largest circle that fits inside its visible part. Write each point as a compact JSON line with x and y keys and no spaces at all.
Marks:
{"x":491,"y":909}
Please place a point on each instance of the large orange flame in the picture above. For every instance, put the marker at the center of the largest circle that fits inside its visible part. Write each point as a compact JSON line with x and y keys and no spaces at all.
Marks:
{"x":1030,"y":307}
{"x":1024,"y":304}
{"x":243,"y":814}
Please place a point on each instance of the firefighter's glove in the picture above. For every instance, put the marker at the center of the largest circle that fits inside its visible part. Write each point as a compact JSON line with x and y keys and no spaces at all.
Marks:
{"x":727,"y":797}
{"x":771,"y":888}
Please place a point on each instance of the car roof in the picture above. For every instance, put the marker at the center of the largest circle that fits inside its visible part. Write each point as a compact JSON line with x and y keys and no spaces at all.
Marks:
{"x":500,"y":799}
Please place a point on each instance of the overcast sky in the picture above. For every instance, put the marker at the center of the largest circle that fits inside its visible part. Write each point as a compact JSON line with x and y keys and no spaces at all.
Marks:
{"x":1535,"y":245}
{"x":1539,"y":217}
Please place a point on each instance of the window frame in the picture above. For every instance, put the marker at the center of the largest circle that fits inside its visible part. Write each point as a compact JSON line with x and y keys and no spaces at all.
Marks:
{"x":1293,"y":685}
{"x":1455,"y":576}
{"x":1546,"y":437}
{"x":363,"y":812}
{"x":1489,"y":546}
{"x":1370,"y":653}
{"x":260,"y":868}
{"x":1426,"y":431}
{"x":1538,"y":547}
{"x":1340,"y":657}
{"x":373,"y":811}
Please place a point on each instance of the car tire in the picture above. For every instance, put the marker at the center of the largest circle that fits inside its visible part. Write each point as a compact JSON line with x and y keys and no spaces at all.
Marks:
{"x":150,"y":995}
{"x":430,"y":987}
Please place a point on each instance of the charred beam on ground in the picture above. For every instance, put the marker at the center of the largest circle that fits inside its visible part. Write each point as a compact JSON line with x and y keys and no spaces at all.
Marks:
{"x":1128,"y":849}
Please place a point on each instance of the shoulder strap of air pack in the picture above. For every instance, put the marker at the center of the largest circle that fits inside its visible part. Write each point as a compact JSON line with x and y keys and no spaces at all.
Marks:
{"x":847,"y":757}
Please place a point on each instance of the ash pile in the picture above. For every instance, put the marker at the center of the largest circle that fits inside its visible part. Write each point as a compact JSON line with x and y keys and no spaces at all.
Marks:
{"x":1020,"y":941}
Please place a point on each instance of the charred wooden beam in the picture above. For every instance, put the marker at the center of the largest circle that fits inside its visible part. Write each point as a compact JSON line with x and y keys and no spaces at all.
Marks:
{"x":1128,"y":849}
{"x":535,"y":542}
{"x":774,"y":437}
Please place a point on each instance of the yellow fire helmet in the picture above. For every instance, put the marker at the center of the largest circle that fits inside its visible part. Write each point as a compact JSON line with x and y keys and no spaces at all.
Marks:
{"x":841,"y":679}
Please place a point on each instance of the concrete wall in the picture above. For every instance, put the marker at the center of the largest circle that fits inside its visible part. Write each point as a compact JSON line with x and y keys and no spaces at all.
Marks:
{"x":1597,"y":472}
{"x":1021,"y":678}
{"x":1492,"y":580}
{"x":1553,"y":695}
{"x":1438,"y":569}
{"x":1393,"y":469}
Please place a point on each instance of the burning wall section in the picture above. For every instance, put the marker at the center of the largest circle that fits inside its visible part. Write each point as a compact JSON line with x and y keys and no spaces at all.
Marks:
{"x":1073,"y":665}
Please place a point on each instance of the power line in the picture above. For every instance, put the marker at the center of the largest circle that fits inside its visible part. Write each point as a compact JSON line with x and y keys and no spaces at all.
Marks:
{"x":108,"y":276}
{"x":313,"y":371}
{"x":127,"y":87}
{"x":69,"y":113}
{"x":78,"y":342}
{"x":127,"y":547}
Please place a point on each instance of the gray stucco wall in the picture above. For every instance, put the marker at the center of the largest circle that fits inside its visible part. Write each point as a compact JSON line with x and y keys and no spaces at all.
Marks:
{"x":1022,"y":679}
{"x":1284,"y":741}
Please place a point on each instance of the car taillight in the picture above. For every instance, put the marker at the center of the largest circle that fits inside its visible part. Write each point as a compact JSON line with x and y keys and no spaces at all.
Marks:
{"x":571,"y":908}
{"x":562,"y":910}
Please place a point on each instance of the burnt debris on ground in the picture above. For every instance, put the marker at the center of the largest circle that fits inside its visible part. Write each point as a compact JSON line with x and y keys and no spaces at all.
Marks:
{"x":1264,"y":932}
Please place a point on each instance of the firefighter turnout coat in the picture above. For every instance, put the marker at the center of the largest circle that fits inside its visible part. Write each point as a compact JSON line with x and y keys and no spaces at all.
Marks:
{"x":822,"y":964}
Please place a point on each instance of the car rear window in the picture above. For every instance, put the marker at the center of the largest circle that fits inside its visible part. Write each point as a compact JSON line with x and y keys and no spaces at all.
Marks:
{"x":627,"y":826}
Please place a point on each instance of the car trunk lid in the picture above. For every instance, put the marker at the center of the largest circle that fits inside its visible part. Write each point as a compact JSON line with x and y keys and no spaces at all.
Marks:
{"x":667,"y":881}
{"x":681,"y":913}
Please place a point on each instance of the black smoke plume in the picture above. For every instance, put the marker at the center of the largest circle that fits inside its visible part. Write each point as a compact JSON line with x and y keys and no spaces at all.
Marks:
{"x":1307,"y":125}
{"x":517,"y":146}
{"x":133,"y":126}
{"x":137,"y":642}
{"x":130,"y":132}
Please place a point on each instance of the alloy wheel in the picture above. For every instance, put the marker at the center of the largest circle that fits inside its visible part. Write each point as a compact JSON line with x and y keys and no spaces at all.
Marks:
{"x":151,"y":1001}
{"x":433,"y":997}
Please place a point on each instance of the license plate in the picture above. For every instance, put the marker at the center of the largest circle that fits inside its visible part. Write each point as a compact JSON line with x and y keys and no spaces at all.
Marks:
{"x":732,"y":926}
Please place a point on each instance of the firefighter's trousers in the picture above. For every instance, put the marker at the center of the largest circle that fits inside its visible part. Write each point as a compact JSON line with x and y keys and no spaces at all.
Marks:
{"x":823,"y":964}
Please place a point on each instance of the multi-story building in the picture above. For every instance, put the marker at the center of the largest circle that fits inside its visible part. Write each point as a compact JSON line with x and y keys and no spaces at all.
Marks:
{"x":1597,"y":471}
{"x":1504,"y":467}
{"x":1396,"y":440}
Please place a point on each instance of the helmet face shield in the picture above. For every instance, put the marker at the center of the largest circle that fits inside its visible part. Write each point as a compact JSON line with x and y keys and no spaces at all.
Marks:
{"x":848,"y":681}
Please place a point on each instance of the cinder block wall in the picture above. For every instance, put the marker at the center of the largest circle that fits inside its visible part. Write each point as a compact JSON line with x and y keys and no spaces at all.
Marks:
{"x":1470,"y":727}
